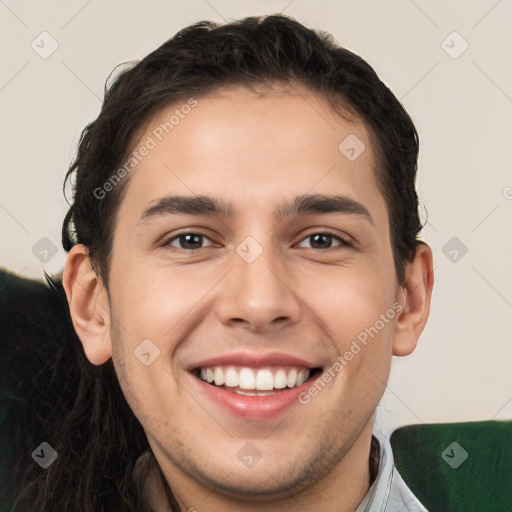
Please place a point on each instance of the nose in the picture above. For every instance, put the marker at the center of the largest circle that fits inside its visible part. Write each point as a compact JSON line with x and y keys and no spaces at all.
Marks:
{"x":258,"y":295}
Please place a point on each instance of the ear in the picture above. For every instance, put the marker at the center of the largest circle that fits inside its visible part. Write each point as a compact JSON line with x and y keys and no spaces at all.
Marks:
{"x":88,"y":304}
{"x":414,"y":296}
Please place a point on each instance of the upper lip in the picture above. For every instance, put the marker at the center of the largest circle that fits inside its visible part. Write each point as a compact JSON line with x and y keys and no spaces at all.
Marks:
{"x":247,"y":359}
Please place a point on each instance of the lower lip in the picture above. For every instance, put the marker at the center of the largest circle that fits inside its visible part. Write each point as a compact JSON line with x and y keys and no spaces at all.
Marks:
{"x":253,"y":407}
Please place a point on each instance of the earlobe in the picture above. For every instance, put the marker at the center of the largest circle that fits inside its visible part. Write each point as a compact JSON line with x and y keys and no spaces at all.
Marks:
{"x":415,"y":296}
{"x":88,"y":305}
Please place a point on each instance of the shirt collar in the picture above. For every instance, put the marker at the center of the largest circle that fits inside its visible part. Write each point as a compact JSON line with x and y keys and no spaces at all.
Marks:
{"x":388,"y":492}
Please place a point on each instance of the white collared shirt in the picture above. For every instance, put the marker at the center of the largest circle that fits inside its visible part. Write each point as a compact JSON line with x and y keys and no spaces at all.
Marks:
{"x":389,"y":493}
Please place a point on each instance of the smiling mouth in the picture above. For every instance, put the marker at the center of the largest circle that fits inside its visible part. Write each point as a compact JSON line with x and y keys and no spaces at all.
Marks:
{"x":262,"y":381}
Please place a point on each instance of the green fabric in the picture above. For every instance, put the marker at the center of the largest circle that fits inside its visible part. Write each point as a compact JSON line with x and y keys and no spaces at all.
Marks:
{"x":438,"y":473}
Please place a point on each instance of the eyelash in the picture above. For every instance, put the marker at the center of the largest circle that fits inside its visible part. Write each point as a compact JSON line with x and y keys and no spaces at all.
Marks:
{"x":342,"y":242}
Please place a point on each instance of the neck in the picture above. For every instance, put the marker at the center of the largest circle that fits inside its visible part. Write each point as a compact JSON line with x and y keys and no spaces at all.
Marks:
{"x":341,"y":490}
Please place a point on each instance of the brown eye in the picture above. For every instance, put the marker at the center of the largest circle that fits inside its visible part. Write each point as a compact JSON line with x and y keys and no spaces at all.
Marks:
{"x":188,"y":241}
{"x":323,"y":241}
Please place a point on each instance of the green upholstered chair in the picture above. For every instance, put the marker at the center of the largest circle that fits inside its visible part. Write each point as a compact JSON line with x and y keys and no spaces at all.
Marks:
{"x":457,"y":467}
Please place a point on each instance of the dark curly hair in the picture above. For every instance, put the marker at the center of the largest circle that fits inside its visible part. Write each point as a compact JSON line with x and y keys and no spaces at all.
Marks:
{"x":97,"y":436}
{"x":254,"y":51}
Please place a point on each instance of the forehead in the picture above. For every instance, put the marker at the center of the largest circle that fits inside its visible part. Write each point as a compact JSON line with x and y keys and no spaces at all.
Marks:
{"x":255,"y":149}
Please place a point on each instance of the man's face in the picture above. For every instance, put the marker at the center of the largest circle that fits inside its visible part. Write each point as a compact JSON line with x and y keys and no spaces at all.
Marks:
{"x":257,"y":293}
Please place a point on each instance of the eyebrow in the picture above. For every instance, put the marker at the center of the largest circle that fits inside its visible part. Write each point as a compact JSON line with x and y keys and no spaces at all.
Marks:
{"x":211,"y":206}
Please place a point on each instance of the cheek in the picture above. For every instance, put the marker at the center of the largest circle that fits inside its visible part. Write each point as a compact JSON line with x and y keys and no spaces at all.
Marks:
{"x":154,"y":311}
{"x":148,"y":388}
{"x":152,"y":303}
{"x":349,"y":301}
{"x":356,"y":310}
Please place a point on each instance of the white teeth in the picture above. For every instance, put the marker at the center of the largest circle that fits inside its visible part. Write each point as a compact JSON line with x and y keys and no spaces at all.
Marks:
{"x":280,"y":379}
{"x":265,"y":380}
{"x":218,"y":376}
{"x":247,"y":379}
{"x":231,"y":378}
{"x":291,"y":380}
{"x":301,"y":377}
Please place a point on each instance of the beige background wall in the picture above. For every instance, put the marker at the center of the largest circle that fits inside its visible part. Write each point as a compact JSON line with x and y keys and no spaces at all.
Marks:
{"x":461,"y":102}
